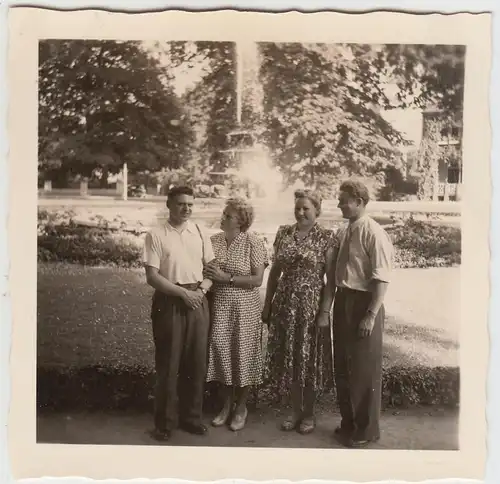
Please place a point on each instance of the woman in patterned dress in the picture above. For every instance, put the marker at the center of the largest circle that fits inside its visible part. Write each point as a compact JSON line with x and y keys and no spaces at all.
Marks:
{"x":297,"y":307}
{"x":235,"y":351}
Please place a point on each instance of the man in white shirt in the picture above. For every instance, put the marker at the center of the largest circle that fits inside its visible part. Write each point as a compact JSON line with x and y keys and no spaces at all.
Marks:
{"x":362,"y":273}
{"x":174,"y":257}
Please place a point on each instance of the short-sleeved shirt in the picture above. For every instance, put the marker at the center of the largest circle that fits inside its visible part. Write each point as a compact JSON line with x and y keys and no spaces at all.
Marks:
{"x":365,"y":254}
{"x":179,"y":255}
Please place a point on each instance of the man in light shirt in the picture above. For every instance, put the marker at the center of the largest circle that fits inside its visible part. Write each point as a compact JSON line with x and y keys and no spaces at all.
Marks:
{"x":174,"y":256}
{"x":362,"y":273}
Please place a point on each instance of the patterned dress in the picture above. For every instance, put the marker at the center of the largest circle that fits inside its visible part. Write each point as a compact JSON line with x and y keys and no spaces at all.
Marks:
{"x":235,"y":351}
{"x":300,"y":352}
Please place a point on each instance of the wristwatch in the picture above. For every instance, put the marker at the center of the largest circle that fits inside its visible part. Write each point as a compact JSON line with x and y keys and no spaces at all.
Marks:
{"x":203,"y":290}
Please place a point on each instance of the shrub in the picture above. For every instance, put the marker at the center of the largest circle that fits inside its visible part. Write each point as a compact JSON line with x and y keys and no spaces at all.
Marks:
{"x":417,"y":243}
{"x":89,"y":246}
{"x":421,"y":244}
{"x":107,"y":388}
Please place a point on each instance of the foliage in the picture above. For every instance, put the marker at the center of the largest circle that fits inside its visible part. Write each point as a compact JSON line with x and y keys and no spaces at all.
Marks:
{"x":60,"y":238}
{"x":211,"y":103}
{"x":396,"y":187}
{"x":317,"y":107}
{"x":103,"y":103}
{"x":417,"y":243}
{"x":122,"y":387}
{"x":420,"y":244}
{"x":321,"y":103}
{"x":321,"y":115}
{"x":421,"y":385}
{"x":427,"y":75}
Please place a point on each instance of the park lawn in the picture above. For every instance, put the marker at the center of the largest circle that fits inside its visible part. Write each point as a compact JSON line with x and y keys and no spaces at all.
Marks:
{"x":91,"y":316}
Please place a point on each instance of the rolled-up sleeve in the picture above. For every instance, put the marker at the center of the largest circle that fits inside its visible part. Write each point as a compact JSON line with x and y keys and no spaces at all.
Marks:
{"x":152,"y":250}
{"x":381,"y":256}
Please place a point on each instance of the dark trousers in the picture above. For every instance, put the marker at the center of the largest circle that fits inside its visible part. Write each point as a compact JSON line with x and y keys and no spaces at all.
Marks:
{"x":358,"y":365}
{"x":181,"y":338}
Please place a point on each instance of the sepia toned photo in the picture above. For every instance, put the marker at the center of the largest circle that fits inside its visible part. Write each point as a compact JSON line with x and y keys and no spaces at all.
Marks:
{"x":256,"y":242}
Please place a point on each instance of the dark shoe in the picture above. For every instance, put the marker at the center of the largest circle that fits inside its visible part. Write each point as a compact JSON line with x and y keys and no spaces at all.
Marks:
{"x":360,"y":444}
{"x":357,"y":444}
{"x":161,"y":435}
{"x":195,"y":429}
{"x":339,"y":431}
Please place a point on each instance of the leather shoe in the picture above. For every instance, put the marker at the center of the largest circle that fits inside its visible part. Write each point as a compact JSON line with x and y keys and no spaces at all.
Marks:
{"x":161,"y":435}
{"x":195,"y":429}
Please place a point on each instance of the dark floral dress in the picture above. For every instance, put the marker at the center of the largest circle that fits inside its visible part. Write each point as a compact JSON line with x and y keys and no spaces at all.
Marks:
{"x":300,"y":352}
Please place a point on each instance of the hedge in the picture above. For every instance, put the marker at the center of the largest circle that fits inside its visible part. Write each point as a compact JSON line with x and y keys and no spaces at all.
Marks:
{"x":417,"y":244}
{"x":107,"y":388}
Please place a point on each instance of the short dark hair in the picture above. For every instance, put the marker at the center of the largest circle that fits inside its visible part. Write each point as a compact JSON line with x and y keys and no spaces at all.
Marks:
{"x":179,"y":190}
{"x":356,"y":189}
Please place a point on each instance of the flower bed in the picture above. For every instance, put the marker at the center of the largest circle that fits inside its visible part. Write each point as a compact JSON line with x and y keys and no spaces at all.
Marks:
{"x":417,"y":243}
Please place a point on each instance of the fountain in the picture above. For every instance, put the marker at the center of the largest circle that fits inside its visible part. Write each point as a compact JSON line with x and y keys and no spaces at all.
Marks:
{"x":249,"y":171}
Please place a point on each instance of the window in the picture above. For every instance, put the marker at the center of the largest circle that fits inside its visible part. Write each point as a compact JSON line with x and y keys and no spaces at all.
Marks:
{"x":454,"y":174}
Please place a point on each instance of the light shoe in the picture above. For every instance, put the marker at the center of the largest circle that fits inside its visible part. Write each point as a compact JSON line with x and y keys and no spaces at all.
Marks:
{"x":307,"y":426}
{"x":223,"y":417}
{"x":290,"y":423}
{"x":239,"y":421}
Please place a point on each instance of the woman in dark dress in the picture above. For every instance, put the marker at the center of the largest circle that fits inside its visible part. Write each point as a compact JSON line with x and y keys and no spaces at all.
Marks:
{"x":297,"y":308}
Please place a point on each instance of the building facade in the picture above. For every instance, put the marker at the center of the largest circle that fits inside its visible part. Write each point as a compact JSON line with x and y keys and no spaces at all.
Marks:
{"x":442,"y":138}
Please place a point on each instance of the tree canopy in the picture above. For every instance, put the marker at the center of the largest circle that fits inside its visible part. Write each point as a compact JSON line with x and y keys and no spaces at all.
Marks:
{"x":318,"y":109}
{"x":322,"y":105}
{"x":103,"y":103}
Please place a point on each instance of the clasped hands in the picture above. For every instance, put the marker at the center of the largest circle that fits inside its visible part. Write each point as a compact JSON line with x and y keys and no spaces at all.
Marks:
{"x":194,"y":299}
{"x":213,"y":272}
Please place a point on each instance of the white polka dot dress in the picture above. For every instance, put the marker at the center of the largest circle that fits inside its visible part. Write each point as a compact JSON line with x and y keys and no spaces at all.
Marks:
{"x":235,"y":351}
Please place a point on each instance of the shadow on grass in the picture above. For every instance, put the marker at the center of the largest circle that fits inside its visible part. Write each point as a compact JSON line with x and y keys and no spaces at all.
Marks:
{"x":427,"y":335}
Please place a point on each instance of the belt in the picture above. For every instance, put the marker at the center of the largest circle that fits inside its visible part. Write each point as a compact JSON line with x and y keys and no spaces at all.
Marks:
{"x":190,"y":287}
{"x":348,"y":289}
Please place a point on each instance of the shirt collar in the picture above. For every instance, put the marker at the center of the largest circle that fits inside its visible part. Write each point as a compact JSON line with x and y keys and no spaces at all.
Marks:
{"x":189,"y":227}
{"x":358,"y":222}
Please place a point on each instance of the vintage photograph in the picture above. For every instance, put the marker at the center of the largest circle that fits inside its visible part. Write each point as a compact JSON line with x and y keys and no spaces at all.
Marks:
{"x":249,"y":243}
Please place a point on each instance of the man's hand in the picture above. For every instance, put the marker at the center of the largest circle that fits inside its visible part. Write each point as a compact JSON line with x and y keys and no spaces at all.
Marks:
{"x":323,"y":319}
{"x":193,"y":299}
{"x":366,"y":325}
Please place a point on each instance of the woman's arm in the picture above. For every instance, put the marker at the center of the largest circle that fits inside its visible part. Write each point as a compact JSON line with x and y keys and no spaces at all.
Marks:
{"x":272,"y":284}
{"x":245,"y":282}
{"x":328,"y":292}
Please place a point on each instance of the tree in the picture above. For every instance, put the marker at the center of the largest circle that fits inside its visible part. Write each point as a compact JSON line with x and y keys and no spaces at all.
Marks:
{"x":322,"y":107}
{"x":103,"y":103}
{"x":211,"y":103}
{"x":322,"y":111}
{"x":427,"y":75}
